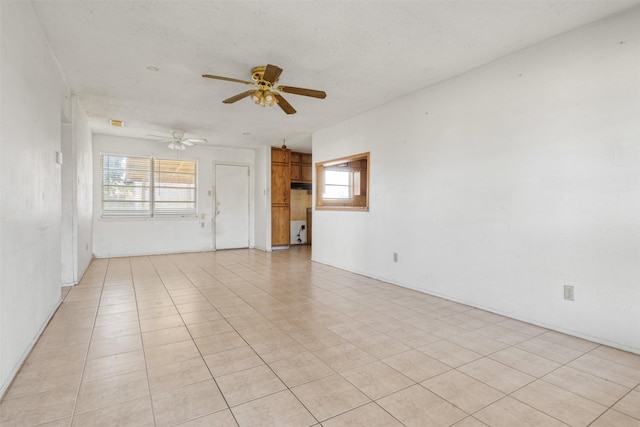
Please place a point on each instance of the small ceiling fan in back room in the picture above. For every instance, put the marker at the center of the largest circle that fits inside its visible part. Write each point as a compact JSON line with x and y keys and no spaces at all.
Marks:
{"x":177,"y":141}
{"x":265,"y":92}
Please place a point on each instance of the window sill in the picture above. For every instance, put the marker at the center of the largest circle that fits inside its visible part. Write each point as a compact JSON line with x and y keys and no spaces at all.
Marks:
{"x":342,"y":208}
{"x":150,"y":218}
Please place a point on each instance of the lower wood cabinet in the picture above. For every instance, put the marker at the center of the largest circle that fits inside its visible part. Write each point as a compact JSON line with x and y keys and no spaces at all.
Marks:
{"x":280,"y":226}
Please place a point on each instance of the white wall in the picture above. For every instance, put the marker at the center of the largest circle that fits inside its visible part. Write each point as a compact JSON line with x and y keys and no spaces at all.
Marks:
{"x":502,"y":185}
{"x":77,"y":196}
{"x":83,"y":189}
{"x":142,"y":236}
{"x":67,"y":234}
{"x":33,"y":97}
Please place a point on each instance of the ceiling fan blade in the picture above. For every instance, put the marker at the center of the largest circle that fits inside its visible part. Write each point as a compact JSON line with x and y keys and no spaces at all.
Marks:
{"x":228,"y":79}
{"x":272,"y":73}
{"x":158,"y":136}
{"x":193,"y":141}
{"x":238,"y":97}
{"x":302,"y":91}
{"x":282,"y":103}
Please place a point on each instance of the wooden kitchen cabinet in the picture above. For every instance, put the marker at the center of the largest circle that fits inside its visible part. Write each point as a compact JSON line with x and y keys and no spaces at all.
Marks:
{"x":295,"y":167}
{"x":280,"y":155}
{"x":280,"y":196}
{"x":301,"y":167}
{"x":280,"y":185}
{"x":280,"y":226}
{"x":306,"y":174}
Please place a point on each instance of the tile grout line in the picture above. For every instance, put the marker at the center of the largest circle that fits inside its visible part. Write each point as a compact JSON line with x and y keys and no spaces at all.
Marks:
{"x":144,"y":354}
{"x":86,"y":356}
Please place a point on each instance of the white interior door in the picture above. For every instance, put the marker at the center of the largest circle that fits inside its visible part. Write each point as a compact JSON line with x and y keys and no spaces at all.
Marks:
{"x":231,"y":206}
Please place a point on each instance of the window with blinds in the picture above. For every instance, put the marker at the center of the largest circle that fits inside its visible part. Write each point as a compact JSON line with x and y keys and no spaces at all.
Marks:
{"x":146,"y":186}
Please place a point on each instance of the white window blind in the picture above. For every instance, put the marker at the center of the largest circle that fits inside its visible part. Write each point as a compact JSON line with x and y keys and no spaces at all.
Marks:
{"x":145,"y":186}
{"x":174,"y":187}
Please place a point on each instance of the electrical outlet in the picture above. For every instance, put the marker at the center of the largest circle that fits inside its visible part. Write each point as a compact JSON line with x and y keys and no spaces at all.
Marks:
{"x":569,"y":293}
{"x":395,"y":257}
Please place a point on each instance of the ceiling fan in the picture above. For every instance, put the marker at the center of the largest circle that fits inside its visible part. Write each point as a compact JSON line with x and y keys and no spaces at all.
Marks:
{"x":179,"y":142}
{"x":265,"y":92}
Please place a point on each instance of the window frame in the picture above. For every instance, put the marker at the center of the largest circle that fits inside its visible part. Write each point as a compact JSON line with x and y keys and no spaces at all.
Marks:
{"x":358,"y":199}
{"x":154,"y":184}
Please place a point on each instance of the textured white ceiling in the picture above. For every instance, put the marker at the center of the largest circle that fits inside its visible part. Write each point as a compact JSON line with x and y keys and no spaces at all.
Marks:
{"x":362,"y":53}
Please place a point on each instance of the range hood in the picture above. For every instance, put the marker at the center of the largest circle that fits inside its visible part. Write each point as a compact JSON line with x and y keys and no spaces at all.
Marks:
{"x":301,"y":186}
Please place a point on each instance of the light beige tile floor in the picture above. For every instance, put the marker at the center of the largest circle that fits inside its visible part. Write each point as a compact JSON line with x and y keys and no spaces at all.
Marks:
{"x":250,"y":338}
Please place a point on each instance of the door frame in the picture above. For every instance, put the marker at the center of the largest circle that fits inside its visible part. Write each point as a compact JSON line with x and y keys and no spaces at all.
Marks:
{"x":251,"y":241}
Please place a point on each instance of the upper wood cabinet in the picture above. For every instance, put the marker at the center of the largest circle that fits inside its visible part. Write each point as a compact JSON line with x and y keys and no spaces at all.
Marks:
{"x":280,"y":155}
{"x":295,"y":167}
{"x":301,"y":167}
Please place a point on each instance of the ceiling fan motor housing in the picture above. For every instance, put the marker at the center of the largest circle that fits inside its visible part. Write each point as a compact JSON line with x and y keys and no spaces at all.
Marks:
{"x":257,"y":75}
{"x":177,"y":134}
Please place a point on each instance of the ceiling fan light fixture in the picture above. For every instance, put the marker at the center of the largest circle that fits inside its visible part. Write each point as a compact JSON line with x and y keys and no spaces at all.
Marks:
{"x":258,"y":98}
{"x":178,"y":141}
{"x":173,"y":145}
{"x":269,"y":98}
